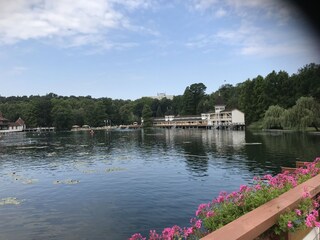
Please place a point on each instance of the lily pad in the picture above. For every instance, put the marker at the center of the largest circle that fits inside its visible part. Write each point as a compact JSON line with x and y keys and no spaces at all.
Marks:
{"x":29,"y":181}
{"x":67,"y":181}
{"x":89,"y":171}
{"x":9,"y":201}
{"x":115,"y":169}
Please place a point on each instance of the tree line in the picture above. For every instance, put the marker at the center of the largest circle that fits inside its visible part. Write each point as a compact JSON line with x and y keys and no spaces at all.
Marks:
{"x":253,"y":97}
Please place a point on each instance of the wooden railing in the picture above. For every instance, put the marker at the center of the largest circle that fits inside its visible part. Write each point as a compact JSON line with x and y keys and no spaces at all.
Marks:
{"x":299,"y":164}
{"x":256,"y":222}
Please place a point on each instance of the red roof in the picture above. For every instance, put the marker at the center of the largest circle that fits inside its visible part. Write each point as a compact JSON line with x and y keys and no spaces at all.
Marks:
{"x":2,"y":119}
{"x":20,"y":122}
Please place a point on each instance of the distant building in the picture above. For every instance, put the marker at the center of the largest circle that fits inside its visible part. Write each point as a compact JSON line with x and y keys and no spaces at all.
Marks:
{"x":161,"y":96}
{"x":7,"y":126}
{"x":219,"y":119}
{"x":178,"y":121}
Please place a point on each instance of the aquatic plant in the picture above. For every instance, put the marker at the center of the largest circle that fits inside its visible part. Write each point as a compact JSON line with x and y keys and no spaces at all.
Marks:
{"x":229,"y":206}
{"x":10,"y":201}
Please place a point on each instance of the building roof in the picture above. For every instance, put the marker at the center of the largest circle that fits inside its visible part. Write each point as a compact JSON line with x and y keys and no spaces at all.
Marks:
{"x":2,"y":119}
{"x":230,"y":110}
{"x":20,"y":122}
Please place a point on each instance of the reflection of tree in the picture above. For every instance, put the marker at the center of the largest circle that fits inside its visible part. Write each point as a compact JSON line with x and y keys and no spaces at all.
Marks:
{"x":196,"y":158}
{"x":279,"y":149}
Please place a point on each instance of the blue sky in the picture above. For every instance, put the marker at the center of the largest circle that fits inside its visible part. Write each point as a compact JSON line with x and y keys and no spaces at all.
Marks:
{"x":126,"y":49}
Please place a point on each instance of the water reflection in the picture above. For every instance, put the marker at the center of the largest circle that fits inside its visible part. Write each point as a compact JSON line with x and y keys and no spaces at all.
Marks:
{"x":124,"y":177}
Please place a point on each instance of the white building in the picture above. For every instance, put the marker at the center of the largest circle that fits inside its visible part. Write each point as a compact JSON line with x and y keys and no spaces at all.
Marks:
{"x":223,"y":118}
{"x":161,"y":96}
{"x":220,"y":119}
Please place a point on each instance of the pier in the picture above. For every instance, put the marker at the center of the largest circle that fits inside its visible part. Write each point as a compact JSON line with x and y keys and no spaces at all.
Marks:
{"x":131,"y":126}
{"x":40,"y":129}
{"x":199,"y":125}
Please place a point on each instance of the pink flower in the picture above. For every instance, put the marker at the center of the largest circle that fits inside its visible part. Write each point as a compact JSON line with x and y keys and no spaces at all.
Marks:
{"x":232,"y":195}
{"x":210,"y":214}
{"x":220,"y":199}
{"x":167,"y":233}
{"x":137,"y":236}
{"x":176,"y":229}
{"x":315,"y":213}
{"x":198,"y":224}
{"x":306,"y":194}
{"x":201,"y":207}
{"x":290,"y":225}
{"x":258,"y":187}
{"x":310,"y":219}
{"x":153,"y":235}
{"x":243,"y":188}
{"x":298,"y":212}
{"x":255,"y":178}
{"x":187,"y":231}
{"x":267,"y":177}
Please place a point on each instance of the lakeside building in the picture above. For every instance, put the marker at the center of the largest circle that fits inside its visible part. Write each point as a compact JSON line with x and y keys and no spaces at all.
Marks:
{"x":6,"y":126}
{"x":161,"y":96}
{"x":221,"y":118}
{"x":170,"y":121}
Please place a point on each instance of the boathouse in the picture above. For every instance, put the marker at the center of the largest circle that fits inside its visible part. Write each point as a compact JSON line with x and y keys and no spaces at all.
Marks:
{"x":7,"y":126}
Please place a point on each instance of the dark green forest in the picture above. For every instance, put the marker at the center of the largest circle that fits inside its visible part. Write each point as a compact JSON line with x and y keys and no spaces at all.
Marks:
{"x":253,"y":97}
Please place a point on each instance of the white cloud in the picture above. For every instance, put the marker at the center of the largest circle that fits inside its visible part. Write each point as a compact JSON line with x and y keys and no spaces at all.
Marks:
{"x":220,"y":13}
{"x":252,"y":40}
{"x":262,"y":29}
{"x":81,"y":21}
{"x":249,"y":40}
{"x":16,"y":71}
{"x":201,"y":42}
{"x":203,"y":4}
{"x":278,"y":9}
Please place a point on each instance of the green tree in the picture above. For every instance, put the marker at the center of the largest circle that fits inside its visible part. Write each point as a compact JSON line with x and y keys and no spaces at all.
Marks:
{"x":307,"y":81}
{"x":159,"y":112}
{"x":41,"y":110}
{"x":304,"y":114}
{"x":177,"y":105}
{"x":192,"y":96}
{"x":61,"y":114}
{"x":147,"y":116}
{"x":273,"y":118}
{"x":126,"y":114}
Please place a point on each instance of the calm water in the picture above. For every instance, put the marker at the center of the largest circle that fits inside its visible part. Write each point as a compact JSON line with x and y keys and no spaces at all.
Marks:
{"x":113,"y":184}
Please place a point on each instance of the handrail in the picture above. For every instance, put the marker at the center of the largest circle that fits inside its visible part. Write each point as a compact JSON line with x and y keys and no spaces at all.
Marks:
{"x":256,"y":222}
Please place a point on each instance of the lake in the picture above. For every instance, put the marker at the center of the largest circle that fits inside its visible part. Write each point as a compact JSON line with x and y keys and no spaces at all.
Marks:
{"x":71,"y":185}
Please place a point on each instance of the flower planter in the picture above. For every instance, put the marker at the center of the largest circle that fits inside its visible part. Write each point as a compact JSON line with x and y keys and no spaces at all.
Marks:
{"x":298,"y":235}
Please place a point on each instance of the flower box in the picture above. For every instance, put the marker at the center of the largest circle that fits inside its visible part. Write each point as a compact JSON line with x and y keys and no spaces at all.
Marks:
{"x":298,"y":235}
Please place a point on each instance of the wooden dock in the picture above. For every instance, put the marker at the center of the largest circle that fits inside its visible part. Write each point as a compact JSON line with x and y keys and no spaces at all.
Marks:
{"x":199,"y":125}
{"x":132,"y":126}
{"x":40,"y":129}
